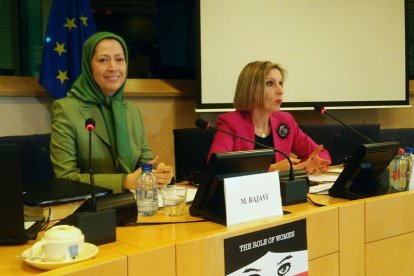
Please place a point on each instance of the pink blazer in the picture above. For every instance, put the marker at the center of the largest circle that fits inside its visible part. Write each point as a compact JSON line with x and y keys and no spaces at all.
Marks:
{"x":287,"y":136}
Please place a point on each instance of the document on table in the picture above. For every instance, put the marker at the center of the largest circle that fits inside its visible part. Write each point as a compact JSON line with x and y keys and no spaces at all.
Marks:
{"x":322,"y":178}
{"x":324,"y":181}
{"x":335,"y":170}
{"x":321,"y":189}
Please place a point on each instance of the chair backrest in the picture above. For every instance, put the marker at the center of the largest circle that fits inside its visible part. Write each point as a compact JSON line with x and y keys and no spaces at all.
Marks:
{"x":11,"y":216}
{"x":340,"y":141}
{"x":191,"y":148}
{"x":403,"y":135}
{"x":35,"y":157}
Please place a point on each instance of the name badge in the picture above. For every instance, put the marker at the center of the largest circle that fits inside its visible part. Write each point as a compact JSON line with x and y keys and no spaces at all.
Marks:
{"x":252,"y":197}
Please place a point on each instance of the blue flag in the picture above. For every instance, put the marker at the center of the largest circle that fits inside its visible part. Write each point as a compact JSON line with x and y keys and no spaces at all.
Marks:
{"x":70,"y":24}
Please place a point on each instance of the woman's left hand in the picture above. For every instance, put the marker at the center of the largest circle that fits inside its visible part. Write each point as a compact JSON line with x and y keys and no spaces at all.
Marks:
{"x":316,"y":164}
{"x":164,"y":174}
{"x":284,"y":165}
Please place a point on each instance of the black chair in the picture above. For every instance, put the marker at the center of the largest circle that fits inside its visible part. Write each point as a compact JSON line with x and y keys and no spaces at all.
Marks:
{"x":191,"y":148}
{"x":340,"y":141}
{"x":35,"y":156}
{"x":403,"y":135}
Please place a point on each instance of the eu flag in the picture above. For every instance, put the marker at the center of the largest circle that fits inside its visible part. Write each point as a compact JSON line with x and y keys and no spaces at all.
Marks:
{"x":70,"y":24}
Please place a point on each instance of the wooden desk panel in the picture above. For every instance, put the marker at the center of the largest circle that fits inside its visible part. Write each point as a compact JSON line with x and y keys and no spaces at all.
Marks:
{"x":367,"y":236}
{"x":325,"y":266}
{"x":322,"y":231}
{"x":352,"y":238}
{"x":10,"y":264}
{"x":148,"y":236}
{"x":158,"y":261}
{"x":389,"y":216}
{"x":202,"y":257}
{"x":392,"y":256}
{"x":152,"y":243}
{"x":113,"y":264}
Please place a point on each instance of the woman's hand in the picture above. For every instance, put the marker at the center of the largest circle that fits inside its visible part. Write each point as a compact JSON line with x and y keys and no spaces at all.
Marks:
{"x":312,"y":164}
{"x":131,"y":180}
{"x":316,"y":163}
{"x":163,"y":173}
{"x":285,"y":166}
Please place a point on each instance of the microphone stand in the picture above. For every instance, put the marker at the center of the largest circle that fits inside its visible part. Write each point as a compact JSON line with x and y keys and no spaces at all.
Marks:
{"x":98,"y":226}
{"x":93,"y":196}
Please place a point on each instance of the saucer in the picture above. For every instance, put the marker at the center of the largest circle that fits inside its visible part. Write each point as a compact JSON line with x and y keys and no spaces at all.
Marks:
{"x":89,"y":251}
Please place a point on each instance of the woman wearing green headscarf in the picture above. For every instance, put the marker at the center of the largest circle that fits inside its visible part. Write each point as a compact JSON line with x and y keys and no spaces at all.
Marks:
{"x":119,"y":144}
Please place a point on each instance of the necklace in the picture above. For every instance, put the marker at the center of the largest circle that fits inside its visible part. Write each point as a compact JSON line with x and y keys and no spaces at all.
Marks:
{"x":263,"y":132}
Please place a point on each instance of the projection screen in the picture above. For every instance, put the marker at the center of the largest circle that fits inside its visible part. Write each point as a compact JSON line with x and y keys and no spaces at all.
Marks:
{"x":338,"y":53}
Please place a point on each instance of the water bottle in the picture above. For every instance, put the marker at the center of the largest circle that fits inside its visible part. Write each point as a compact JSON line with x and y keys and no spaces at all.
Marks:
{"x":409,"y":153}
{"x":147,"y":192}
{"x":403,"y":170}
{"x":398,"y":169}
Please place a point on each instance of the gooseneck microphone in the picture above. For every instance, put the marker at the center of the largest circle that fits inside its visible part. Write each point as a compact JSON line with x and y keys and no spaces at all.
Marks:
{"x":322,"y":110}
{"x":206,"y":125}
{"x":90,"y":127}
{"x":98,"y":226}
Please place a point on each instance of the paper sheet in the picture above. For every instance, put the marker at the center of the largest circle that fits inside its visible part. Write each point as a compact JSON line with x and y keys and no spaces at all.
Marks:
{"x":320,"y":189}
{"x":323,"y":178}
{"x":335,"y":170}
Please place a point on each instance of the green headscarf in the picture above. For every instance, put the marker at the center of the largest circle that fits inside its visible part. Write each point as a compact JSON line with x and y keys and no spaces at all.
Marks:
{"x":86,"y":89}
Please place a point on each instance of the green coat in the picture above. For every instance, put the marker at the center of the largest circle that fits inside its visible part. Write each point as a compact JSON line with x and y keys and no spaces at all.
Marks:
{"x":70,"y":143}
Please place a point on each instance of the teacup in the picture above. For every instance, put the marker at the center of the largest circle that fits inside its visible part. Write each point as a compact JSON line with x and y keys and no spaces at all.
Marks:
{"x":59,"y":243}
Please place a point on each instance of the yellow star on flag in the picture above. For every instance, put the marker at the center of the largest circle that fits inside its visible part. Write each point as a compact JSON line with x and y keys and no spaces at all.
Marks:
{"x":70,"y":23}
{"x":60,"y":48}
{"x":62,"y":76}
{"x":84,"y":20}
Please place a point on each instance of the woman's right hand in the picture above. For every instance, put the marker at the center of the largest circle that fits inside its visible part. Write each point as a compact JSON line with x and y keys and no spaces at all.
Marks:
{"x":316,"y":163}
{"x":285,"y":166}
{"x":131,"y":179}
{"x":312,"y":164}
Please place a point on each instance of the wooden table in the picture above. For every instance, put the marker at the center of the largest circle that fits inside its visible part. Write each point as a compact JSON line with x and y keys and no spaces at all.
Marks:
{"x":372,"y":236}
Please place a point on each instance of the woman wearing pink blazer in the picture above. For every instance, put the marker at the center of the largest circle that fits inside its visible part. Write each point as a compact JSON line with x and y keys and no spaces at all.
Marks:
{"x":258,"y":117}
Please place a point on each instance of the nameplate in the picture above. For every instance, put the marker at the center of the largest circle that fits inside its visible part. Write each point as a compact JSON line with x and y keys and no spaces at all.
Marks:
{"x":252,"y":197}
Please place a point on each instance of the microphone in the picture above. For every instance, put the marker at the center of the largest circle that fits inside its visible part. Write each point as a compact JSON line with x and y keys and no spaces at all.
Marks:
{"x":323,"y":111}
{"x":90,"y":126}
{"x":292,"y":191}
{"x":98,"y":226}
{"x":203,"y":124}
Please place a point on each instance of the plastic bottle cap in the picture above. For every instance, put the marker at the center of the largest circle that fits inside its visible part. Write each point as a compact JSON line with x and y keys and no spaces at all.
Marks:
{"x":401,"y":151}
{"x":409,"y":150}
{"x":146,"y":167}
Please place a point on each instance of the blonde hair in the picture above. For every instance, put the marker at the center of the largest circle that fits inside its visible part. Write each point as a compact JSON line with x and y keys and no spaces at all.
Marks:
{"x":251,"y":84}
